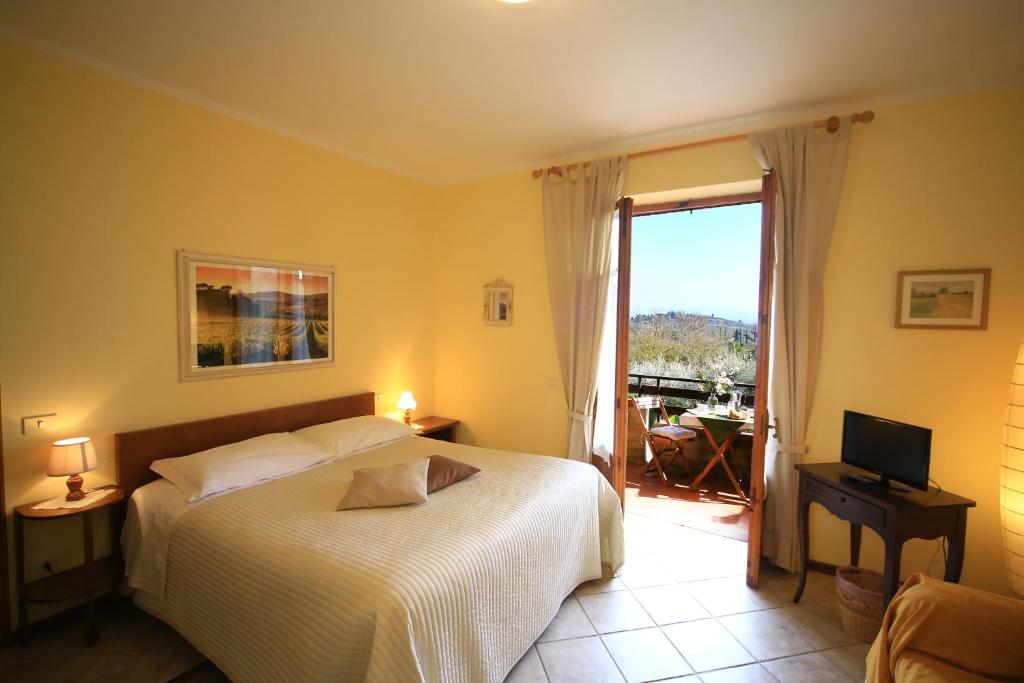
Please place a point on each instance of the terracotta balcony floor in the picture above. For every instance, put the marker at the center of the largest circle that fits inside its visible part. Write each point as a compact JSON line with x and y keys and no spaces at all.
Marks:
{"x":715,"y":508}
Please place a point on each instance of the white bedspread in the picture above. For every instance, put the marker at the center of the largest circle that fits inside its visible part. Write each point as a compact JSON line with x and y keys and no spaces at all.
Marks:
{"x":272,"y":584}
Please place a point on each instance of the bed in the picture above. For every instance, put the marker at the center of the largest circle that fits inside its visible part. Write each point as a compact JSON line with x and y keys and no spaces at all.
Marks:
{"x":271,"y":583}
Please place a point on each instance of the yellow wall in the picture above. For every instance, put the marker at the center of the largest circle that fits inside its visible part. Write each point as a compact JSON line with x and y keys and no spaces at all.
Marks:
{"x":928,"y":185}
{"x":100,"y":183}
{"x":504,"y":382}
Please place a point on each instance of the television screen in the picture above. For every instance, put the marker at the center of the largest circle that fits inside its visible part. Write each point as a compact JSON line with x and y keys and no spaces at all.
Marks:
{"x":890,"y":449}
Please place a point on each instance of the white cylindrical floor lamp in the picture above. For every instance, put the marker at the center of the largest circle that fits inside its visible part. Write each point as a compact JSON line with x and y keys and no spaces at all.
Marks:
{"x":1011,"y":495}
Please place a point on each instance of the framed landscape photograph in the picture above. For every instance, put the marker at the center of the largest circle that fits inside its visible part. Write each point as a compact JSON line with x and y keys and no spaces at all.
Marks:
{"x":943,"y":299}
{"x":242,"y":316}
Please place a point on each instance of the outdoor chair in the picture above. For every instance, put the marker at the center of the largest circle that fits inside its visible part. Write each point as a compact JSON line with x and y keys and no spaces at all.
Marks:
{"x":664,"y":439}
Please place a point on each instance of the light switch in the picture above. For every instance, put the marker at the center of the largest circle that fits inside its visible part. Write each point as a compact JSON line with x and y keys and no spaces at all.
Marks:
{"x":35,"y":423}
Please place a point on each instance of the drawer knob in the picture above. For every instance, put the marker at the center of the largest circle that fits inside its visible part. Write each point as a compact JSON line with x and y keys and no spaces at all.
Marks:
{"x":842,"y":499}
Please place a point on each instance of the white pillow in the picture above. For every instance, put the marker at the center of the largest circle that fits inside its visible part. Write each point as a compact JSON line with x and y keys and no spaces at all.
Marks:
{"x":345,"y":437}
{"x":239,"y":464}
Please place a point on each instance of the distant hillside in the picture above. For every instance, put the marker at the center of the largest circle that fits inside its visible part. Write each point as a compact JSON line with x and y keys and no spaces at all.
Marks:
{"x":722,"y":327}
{"x":213,"y":301}
{"x":690,"y":344}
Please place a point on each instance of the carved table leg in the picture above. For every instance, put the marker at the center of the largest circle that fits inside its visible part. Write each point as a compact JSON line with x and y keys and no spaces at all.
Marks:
{"x":957,"y":541}
{"x":891,"y":584}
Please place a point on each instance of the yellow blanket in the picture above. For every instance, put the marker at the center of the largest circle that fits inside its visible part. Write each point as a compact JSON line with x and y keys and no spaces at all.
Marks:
{"x":937,"y":631}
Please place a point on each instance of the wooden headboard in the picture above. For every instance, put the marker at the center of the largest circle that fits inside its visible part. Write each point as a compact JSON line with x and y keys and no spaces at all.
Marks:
{"x":135,"y":451}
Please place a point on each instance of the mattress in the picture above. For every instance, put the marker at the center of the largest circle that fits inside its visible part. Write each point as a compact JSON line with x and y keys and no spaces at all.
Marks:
{"x":272,"y":584}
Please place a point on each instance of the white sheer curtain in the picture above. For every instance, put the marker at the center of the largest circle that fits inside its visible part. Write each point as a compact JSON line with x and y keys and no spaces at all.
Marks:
{"x":604,"y":420}
{"x":808,"y":164}
{"x":578,"y":210}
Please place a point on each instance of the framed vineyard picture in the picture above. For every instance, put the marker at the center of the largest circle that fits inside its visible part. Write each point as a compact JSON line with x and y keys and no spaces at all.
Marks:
{"x":242,"y":316}
{"x":943,"y":299}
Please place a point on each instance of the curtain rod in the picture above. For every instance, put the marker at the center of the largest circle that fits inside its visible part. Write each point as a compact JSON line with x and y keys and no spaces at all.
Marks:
{"x":831,"y":124}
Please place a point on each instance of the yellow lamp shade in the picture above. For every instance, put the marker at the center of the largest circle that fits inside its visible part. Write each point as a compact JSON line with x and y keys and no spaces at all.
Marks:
{"x":406,"y":401}
{"x":71,"y":456}
{"x":1011,"y":494}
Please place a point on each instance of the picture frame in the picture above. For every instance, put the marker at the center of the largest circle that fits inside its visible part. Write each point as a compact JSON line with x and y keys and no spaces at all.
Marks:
{"x":242,"y":316}
{"x":943,"y":299}
{"x":498,"y":303}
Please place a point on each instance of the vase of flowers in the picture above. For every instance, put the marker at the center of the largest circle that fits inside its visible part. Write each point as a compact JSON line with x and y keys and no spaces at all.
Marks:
{"x":721,"y":381}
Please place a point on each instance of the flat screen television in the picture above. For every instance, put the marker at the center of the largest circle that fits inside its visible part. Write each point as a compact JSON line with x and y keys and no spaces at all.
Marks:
{"x":893,"y":450}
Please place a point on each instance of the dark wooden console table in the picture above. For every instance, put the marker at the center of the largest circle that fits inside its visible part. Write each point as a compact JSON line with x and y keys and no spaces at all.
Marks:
{"x":896,"y":517}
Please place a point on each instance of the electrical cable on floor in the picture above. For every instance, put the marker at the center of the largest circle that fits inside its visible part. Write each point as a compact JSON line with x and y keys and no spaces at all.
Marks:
{"x":941,"y":545}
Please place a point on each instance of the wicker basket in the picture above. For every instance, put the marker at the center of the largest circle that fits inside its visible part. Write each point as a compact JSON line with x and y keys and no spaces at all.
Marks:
{"x":860,"y":601}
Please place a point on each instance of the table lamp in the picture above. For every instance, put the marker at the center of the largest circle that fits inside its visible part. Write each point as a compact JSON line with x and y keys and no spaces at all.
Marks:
{"x":407,"y":404}
{"x":72,"y":457}
{"x":1011,"y":494}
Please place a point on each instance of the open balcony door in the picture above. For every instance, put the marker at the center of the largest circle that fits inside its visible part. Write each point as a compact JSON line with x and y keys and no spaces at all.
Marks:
{"x":764,"y":321}
{"x":618,"y":457}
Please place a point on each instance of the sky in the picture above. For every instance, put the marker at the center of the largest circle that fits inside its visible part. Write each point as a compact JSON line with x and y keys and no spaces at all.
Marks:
{"x":261,"y":280}
{"x":703,"y":261}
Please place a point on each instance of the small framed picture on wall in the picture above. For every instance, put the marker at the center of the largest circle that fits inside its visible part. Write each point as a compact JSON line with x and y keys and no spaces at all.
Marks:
{"x":498,"y":303}
{"x":943,"y":299}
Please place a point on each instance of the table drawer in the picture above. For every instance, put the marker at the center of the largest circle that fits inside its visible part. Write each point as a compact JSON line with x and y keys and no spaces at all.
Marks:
{"x":850,"y":508}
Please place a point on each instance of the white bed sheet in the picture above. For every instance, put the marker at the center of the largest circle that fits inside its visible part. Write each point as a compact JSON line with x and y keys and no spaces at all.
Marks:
{"x":152,"y":512}
{"x":271,"y":583}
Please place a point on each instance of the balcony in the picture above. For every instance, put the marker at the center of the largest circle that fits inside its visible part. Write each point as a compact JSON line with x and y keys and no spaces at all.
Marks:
{"x":714,"y":507}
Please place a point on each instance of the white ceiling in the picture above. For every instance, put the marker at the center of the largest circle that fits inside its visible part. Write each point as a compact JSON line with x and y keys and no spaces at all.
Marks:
{"x":448,"y":90}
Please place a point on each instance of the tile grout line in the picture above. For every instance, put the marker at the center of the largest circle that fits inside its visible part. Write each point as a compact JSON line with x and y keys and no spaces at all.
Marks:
{"x":717,"y":618}
{"x":629,"y":589}
{"x":762,"y":607}
{"x":660,"y":626}
{"x":599,"y":638}
{"x":543,"y":668}
{"x":756,"y":658}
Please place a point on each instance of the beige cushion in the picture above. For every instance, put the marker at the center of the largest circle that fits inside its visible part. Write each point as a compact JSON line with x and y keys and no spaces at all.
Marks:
{"x":376,"y":487}
{"x":673,"y":433}
{"x":444,"y":472}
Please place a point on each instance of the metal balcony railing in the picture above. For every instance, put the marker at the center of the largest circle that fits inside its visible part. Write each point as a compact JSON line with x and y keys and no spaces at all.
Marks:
{"x":681,"y":387}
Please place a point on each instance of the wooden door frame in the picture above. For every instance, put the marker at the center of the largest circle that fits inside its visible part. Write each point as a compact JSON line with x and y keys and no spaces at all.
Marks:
{"x":618,"y":464}
{"x":628,"y":209}
{"x":5,"y":587}
{"x":764,"y":306}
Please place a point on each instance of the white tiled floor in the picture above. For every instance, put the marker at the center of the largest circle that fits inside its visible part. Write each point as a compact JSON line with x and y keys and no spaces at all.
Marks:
{"x":680,"y":610}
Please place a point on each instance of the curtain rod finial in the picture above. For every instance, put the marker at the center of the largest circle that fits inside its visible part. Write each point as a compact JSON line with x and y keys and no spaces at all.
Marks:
{"x":863,"y":117}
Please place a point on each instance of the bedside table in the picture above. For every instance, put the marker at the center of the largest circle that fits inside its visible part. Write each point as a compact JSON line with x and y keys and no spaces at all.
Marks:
{"x":82,"y":581}
{"x":440,"y":428}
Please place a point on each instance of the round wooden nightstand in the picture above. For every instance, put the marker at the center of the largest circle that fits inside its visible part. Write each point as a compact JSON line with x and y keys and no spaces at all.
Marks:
{"x":82,"y":581}
{"x":432,"y":427}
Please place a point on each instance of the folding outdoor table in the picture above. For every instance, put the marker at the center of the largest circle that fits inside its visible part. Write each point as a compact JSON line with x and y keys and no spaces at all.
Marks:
{"x":721,"y":432}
